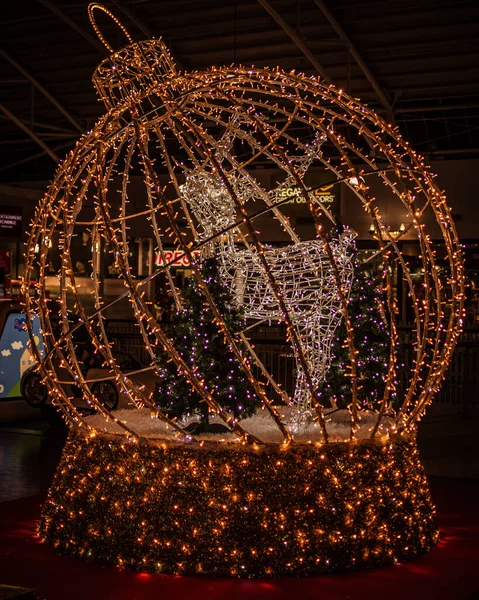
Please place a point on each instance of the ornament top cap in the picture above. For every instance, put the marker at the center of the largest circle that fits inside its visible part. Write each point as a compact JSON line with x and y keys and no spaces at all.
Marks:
{"x":131,"y":70}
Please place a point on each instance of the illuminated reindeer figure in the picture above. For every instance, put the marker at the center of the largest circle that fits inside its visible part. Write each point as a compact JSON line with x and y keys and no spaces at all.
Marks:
{"x":301,"y":269}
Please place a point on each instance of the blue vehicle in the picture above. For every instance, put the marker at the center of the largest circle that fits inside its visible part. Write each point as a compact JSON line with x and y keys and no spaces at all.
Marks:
{"x":20,"y":377}
{"x":16,"y":356}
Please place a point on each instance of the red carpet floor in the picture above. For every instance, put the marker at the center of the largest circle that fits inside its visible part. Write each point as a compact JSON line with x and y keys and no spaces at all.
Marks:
{"x":450,"y":571}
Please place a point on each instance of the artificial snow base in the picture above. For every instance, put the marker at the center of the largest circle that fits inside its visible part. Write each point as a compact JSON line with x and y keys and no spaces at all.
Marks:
{"x":227,"y":509}
{"x":261,"y":425}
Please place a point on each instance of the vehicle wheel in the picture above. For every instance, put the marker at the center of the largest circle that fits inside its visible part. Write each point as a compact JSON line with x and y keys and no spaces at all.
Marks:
{"x":106,"y":393}
{"x":33,"y":390}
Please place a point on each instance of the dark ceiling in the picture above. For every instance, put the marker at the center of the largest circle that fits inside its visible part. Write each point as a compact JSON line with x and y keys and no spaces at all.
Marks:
{"x":415,"y":61}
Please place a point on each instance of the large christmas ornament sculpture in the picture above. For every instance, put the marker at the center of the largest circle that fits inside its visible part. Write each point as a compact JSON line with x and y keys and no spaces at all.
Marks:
{"x":299,"y":495}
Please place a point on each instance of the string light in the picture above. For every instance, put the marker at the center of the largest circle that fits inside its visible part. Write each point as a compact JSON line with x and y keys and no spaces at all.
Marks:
{"x":240,"y":512}
{"x":206,"y":132}
{"x":302,"y":270}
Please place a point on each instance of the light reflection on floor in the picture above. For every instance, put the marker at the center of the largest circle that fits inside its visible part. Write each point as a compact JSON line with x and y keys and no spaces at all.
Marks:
{"x":29,"y":454}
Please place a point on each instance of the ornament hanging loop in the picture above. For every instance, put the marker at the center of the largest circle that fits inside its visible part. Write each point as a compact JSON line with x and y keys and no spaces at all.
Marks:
{"x":91,"y":8}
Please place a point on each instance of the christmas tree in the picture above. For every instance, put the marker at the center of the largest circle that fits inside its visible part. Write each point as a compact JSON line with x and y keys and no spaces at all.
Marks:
{"x":371,"y":341}
{"x":203,"y":347}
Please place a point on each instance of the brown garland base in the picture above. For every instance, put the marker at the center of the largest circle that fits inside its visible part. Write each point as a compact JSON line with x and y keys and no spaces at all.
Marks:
{"x":230,"y":510}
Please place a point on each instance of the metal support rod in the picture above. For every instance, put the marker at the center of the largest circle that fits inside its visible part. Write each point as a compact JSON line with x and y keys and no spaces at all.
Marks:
{"x":13,"y":81}
{"x":29,"y":132}
{"x":38,"y":124}
{"x":357,"y":57}
{"x":46,"y":137}
{"x":140,"y":257}
{"x":32,"y":106}
{"x":20,"y":192}
{"x":296,"y":39}
{"x":151,"y":283}
{"x":30,"y":158}
{"x":66,"y":19}
{"x":437,"y":107}
{"x":40,"y":87}
{"x":454,"y":151}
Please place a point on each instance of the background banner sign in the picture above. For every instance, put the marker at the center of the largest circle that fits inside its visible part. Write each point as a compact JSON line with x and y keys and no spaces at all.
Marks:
{"x":321,"y":189}
{"x":11,"y":220}
{"x":5,"y":273}
{"x":176,"y":258}
{"x":297,"y":197}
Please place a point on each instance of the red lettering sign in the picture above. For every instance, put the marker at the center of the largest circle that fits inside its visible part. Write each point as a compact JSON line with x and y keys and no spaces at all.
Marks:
{"x":174,"y":258}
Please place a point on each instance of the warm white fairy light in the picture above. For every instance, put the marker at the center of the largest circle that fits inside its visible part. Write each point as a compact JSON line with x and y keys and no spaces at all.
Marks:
{"x":302,"y":270}
{"x":222,"y":121}
{"x":254,"y":508}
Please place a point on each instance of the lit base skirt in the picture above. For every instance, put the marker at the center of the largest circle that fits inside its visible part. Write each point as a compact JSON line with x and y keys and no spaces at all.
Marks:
{"x":226,"y":510}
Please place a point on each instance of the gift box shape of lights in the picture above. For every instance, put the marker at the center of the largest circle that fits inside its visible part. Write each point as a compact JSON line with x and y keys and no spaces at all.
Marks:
{"x":158,"y":497}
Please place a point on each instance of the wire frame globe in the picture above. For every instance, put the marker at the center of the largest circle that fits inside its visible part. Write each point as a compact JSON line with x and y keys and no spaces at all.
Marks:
{"x":198,"y":140}
{"x":239,"y":505}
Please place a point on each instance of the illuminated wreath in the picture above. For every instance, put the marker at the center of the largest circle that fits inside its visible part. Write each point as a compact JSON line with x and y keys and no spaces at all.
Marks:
{"x":180,"y":503}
